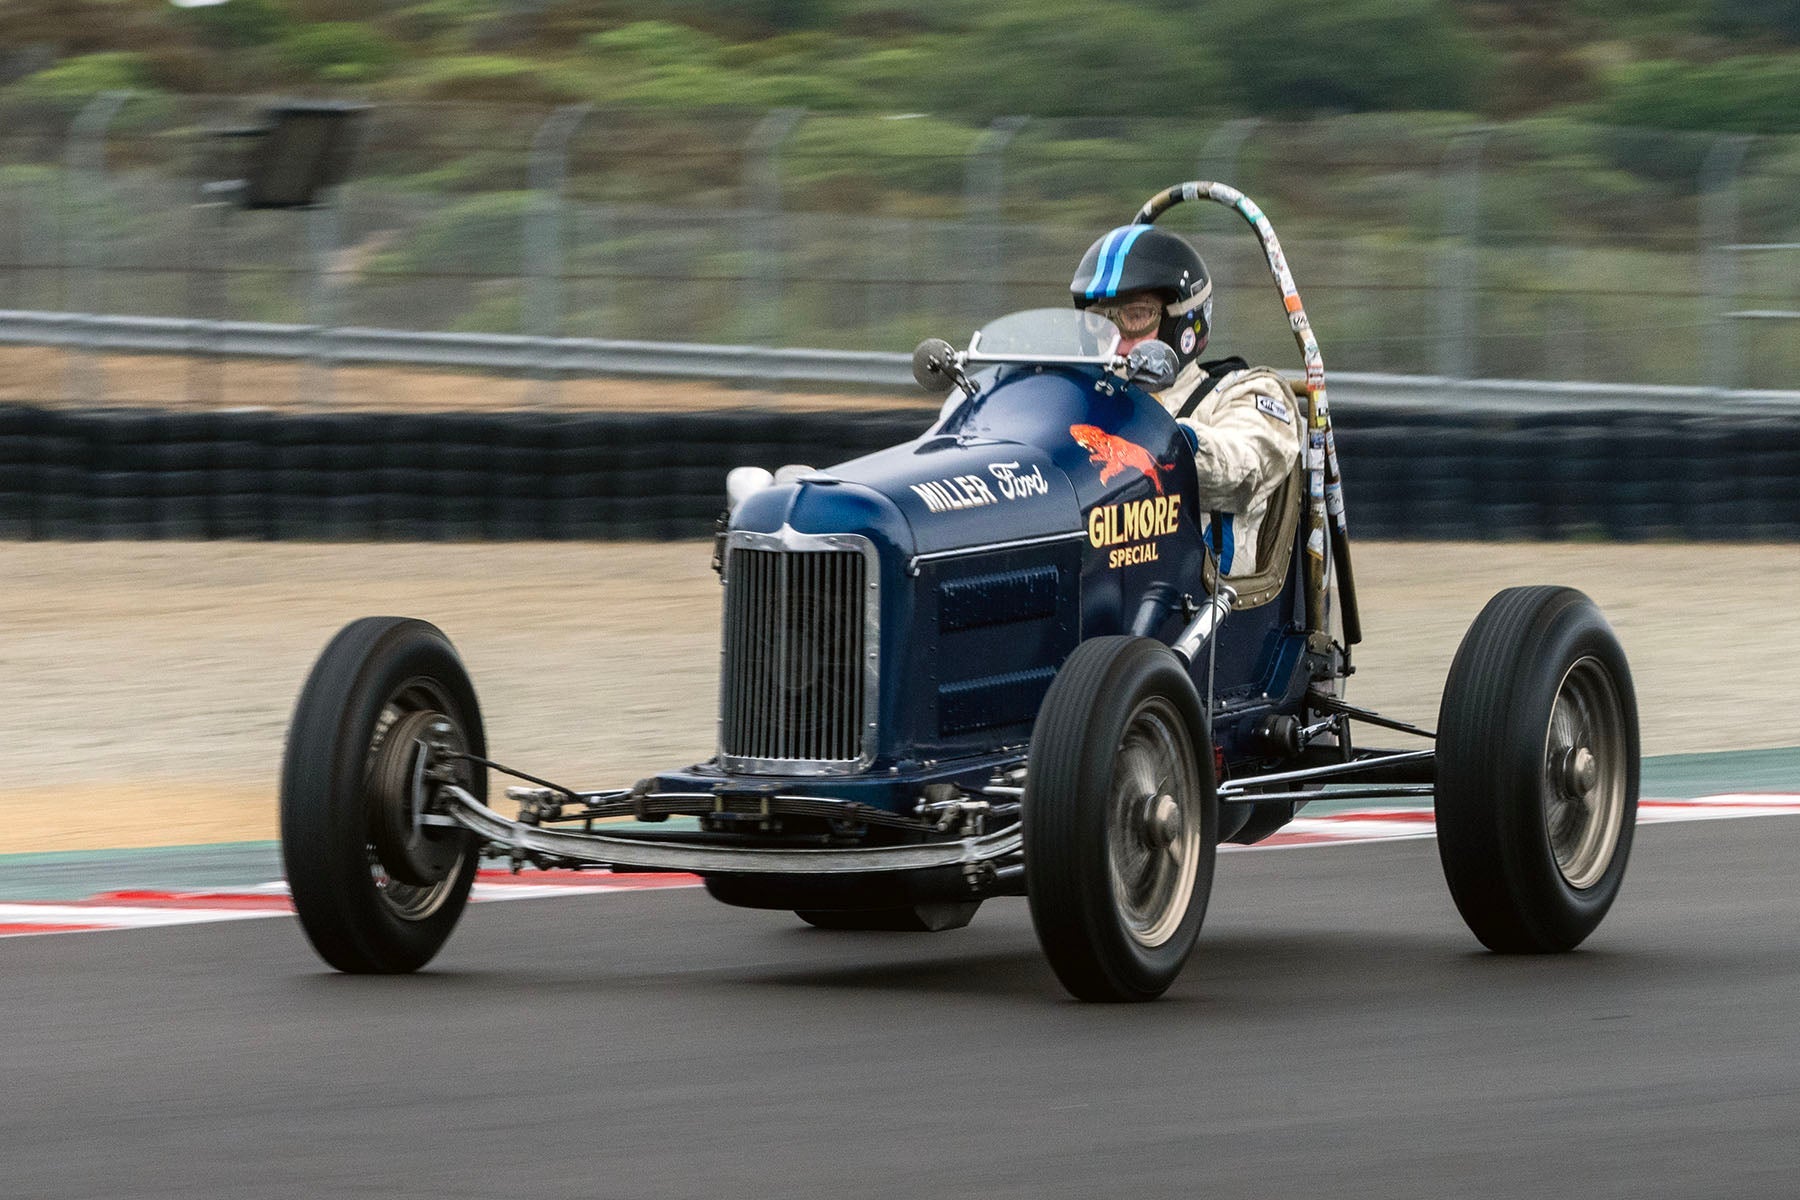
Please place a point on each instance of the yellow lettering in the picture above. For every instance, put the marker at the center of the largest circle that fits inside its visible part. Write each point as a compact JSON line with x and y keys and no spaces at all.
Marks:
{"x":1134,"y":521}
{"x":1131,"y":556}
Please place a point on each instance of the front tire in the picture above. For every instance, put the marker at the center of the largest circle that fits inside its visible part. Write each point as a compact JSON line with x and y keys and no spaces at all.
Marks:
{"x":377,"y":892}
{"x":1121,"y":823}
{"x":1537,"y":771}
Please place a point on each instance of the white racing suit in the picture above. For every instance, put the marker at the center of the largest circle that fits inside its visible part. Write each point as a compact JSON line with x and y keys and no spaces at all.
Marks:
{"x":1248,"y":434}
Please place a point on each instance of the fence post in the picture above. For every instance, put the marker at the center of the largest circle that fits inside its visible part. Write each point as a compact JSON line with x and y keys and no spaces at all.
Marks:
{"x":1219,"y":156}
{"x":41,"y":224}
{"x":762,"y":182}
{"x":1564,"y":333}
{"x":1722,"y":360}
{"x":84,"y":181}
{"x":322,"y":235}
{"x":548,"y":170}
{"x":1457,"y":264}
{"x":984,"y":194}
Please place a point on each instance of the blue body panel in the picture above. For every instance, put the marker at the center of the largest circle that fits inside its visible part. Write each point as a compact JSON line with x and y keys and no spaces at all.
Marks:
{"x":1056,"y":504}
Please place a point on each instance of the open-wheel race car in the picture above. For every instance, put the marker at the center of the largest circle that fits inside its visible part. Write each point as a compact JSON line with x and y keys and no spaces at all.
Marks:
{"x":1000,"y":660}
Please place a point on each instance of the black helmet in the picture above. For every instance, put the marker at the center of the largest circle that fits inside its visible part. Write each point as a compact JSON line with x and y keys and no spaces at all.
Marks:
{"x":1140,"y":258}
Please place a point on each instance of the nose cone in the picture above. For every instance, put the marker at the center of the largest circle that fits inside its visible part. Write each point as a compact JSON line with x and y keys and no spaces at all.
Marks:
{"x":821,"y":503}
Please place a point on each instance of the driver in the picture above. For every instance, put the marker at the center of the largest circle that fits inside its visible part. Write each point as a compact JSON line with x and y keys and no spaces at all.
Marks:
{"x":1243,"y":422}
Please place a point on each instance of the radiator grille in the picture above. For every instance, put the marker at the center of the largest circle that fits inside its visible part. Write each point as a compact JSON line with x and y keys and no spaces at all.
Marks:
{"x":794,"y":690}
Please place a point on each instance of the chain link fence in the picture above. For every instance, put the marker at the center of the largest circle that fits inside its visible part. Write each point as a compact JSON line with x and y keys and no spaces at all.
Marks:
{"x":1425,"y":246}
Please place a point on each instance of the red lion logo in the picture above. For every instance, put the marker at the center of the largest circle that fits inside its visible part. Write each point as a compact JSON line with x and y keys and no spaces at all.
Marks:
{"x":1114,"y":454}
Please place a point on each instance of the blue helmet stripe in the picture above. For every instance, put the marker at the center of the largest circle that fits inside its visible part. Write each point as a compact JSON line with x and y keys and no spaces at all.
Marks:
{"x":1118,"y":266}
{"x":1100,"y":263}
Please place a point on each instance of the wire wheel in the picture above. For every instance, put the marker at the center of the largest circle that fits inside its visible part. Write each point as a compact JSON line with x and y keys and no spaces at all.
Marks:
{"x":1584,"y":773}
{"x":413,"y":866}
{"x":1154,"y":831}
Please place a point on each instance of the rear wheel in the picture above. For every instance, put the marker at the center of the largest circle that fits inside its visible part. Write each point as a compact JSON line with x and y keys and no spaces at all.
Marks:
{"x":1121,"y":821}
{"x":1537,"y":771}
{"x":377,"y":889}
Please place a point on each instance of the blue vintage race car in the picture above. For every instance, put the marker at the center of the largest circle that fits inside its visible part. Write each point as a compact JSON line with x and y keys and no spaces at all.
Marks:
{"x":1000,"y":660}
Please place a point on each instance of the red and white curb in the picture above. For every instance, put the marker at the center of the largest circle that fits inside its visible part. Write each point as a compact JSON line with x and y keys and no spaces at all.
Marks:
{"x":143,"y":909}
{"x":1388,"y":824}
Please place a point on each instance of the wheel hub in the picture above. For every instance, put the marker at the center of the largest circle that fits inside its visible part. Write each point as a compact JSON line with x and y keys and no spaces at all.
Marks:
{"x":1154,"y":840}
{"x":1578,"y":772}
{"x":1584,"y":783}
{"x":1162,"y":824}
{"x":411,"y":852}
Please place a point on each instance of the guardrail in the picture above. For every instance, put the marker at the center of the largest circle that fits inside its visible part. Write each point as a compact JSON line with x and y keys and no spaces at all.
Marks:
{"x":513,"y":353}
{"x":482,"y":351}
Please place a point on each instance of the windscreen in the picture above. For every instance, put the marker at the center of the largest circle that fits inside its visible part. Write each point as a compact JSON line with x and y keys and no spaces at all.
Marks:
{"x":1047,"y":333}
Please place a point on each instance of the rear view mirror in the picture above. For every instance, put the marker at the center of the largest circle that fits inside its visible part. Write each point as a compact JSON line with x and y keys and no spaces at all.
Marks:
{"x":934,"y":366}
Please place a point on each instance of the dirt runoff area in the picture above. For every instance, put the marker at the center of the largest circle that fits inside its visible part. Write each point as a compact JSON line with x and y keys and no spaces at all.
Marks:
{"x":147,"y":686}
{"x":34,"y":374}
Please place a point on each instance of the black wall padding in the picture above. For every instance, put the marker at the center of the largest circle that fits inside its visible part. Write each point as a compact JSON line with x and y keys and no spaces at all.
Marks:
{"x":136,"y":473}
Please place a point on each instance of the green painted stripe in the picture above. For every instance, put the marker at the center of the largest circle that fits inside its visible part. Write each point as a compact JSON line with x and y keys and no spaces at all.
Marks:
{"x":221,"y":866}
{"x":1684,"y":776}
{"x":77,"y":874}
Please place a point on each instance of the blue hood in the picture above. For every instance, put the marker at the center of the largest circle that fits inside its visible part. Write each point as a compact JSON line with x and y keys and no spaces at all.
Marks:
{"x":971,"y":492}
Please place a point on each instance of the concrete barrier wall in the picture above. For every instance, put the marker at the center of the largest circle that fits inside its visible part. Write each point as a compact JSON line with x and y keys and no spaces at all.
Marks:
{"x":135,"y":473}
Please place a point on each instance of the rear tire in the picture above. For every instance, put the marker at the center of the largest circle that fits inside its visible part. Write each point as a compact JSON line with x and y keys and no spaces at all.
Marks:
{"x":1537,"y":771}
{"x":375,"y":894}
{"x":1121,"y":820}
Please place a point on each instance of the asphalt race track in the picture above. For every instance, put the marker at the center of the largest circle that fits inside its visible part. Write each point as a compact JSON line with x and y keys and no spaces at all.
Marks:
{"x":1338,"y":1034}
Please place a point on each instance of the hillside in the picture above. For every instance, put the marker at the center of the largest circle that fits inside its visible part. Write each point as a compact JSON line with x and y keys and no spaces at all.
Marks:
{"x":1696,"y":64}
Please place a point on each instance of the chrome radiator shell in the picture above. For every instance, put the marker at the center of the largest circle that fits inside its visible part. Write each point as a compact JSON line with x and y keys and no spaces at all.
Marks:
{"x":800,"y":654}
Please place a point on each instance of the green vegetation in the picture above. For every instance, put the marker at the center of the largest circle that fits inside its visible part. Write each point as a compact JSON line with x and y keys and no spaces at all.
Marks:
{"x":338,"y":51}
{"x":1777,"y":18}
{"x":1726,"y":64}
{"x":1600,"y":116}
{"x":1357,"y":55}
{"x":1743,"y":95}
{"x":76,"y":79}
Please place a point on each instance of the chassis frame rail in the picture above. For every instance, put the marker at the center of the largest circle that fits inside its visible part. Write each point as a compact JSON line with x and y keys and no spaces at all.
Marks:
{"x":473,"y":815}
{"x":1245,"y":788}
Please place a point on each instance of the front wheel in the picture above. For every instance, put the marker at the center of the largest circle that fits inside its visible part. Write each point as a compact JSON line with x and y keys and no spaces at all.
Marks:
{"x":377,"y":889}
{"x":1537,"y":771}
{"x":1121,"y":824}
